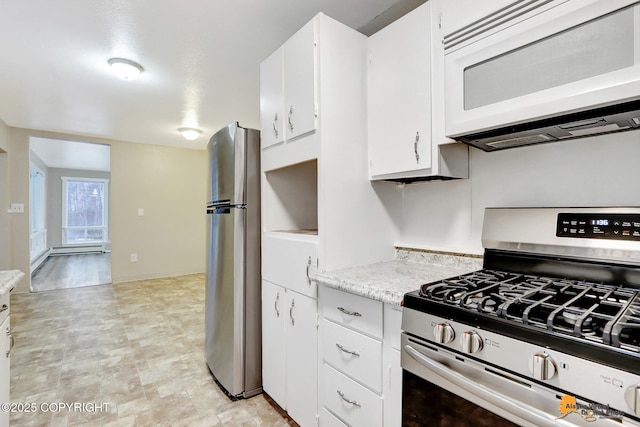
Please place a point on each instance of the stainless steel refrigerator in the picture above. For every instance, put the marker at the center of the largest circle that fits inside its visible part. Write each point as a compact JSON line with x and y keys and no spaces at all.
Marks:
{"x":233,"y":317}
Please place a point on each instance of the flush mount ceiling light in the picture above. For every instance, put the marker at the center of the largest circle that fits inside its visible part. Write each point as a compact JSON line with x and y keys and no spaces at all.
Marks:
{"x":125,"y":68}
{"x":190,"y":133}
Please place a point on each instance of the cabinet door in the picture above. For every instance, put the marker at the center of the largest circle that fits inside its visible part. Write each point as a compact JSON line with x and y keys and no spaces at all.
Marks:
{"x":299,"y":82}
{"x":302,"y":358}
{"x":400,"y":95}
{"x":273,"y":342}
{"x":4,"y":369}
{"x":392,"y":388}
{"x":271,"y":100}
{"x":290,"y":260}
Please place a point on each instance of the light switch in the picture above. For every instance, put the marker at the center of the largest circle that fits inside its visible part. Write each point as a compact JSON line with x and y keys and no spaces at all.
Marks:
{"x":140,"y":211}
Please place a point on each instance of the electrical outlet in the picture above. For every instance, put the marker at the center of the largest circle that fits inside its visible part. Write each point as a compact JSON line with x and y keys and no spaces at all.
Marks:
{"x":134,"y":257}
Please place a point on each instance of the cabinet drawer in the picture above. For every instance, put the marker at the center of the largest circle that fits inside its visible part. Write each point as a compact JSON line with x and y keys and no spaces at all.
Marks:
{"x":392,"y":325}
{"x":350,"y":401}
{"x":353,"y":311}
{"x":289,"y":260}
{"x":327,"y":419}
{"x":338,"y":347}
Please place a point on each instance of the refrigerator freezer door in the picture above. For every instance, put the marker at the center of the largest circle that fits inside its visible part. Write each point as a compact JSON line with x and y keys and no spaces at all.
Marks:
{"x":224,"y":319}
{"x":227,"y":159}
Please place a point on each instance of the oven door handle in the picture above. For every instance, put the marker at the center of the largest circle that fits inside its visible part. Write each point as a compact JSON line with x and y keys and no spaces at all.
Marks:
{"x":524,"y":411}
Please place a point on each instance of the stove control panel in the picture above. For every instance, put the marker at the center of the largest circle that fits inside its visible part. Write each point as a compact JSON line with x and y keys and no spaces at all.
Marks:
{"x":599,"y":226}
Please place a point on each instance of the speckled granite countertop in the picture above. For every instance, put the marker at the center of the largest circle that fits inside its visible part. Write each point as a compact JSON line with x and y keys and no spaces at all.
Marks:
{"x":9,"y":279}
{"x":388,"y":281}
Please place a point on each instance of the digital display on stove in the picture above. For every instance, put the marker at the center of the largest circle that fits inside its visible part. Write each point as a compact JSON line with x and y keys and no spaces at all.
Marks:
{"x":599,"y":226}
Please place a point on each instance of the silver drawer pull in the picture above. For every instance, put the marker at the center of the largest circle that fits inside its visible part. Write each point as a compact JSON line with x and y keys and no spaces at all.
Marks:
{"x":4,"y":307}
{"x":353,"y":402}
{"x":275,"y":304}
{"x":293,"y":304}
{"x":11,"y":342}
{"x":353,"y":353}
{"x":308,"y":266}
{"x":350,"y":313}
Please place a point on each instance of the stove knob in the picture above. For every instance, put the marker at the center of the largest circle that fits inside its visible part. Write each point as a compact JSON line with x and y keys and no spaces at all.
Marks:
{"x":444,"y":333}
{"x":632,"y":396}
{"x":471,"y":342}
{"x":542,"y":366}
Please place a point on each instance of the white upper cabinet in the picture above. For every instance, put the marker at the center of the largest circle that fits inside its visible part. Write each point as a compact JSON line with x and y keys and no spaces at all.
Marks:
{"x":271,"y":100}
{"x":399,"y":95}
{"x":288,"y":107}
{"x":406,"y":101}
{"x":299,"y":82}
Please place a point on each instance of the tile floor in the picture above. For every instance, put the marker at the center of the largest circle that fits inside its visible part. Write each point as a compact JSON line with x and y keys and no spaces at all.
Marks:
{"x":137,"y":346}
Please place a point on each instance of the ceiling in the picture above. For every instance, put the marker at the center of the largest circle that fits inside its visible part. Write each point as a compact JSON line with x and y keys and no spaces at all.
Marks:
{"x":201,"y":61}
{"x":57,"y":153}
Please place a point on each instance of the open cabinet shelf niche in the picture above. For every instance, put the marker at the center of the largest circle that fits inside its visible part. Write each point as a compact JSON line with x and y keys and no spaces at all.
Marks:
{"x":290,"y":196}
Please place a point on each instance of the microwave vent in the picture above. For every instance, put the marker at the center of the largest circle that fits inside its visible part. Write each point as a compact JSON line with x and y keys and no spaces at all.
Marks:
{"x":515,"y":142}
{"x":595,"y":121}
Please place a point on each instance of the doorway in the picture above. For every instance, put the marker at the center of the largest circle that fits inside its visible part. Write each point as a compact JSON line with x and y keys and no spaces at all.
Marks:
{"x":70,"y":243}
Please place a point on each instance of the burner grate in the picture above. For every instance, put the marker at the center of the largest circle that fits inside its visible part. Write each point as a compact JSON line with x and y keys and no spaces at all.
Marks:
{"x":582,"y":309}
{"x":626,"y":332}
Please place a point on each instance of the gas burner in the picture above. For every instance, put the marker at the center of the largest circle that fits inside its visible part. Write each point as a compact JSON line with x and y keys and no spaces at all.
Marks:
{"x":572,"y":307}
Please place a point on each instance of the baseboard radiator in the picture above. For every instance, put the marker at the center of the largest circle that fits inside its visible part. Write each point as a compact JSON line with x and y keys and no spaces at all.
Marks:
{"x":37,"y":261}
{"x":78,"y":249}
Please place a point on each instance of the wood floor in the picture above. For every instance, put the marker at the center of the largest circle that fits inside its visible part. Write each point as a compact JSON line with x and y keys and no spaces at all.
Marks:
{"x":72,"y":271}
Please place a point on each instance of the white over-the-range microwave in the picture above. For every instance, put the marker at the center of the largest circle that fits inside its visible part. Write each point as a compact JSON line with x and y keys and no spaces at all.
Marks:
{"x":544,"y":70}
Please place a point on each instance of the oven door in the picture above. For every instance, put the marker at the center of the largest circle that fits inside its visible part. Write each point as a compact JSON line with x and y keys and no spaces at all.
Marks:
{"x":541,"y":63}
{"x":442,"y":388}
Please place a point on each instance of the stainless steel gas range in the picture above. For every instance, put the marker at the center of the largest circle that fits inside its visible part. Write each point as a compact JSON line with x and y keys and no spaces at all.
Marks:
{"x":546,"y":334}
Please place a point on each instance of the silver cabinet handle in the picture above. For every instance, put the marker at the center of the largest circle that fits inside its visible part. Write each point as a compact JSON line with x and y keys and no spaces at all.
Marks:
{"x":520,"y":409}
{"x":275,"y":305}
{"x":293,"y":303}
{"x":353,"y":402}
{"x":4,"y":307}
{"x":290,"y":114}
{"x":415,"y":147}
{"x":11,"y":342}
{"x":275,"y":121}
{"x":308,"y":266}
{"x":350,"y":313}
{"x":353,"y":353}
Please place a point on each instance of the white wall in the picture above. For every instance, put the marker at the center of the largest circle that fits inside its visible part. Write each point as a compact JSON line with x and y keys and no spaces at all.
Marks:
{"x":597,"y":171}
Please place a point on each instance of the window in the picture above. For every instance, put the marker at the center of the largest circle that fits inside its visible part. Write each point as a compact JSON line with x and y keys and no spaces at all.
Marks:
{"x":84,"y":210}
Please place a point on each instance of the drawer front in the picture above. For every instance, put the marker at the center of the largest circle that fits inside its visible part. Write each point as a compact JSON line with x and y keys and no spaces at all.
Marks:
{"x":354,"y":354}
{"x":392,"y":325}
{"x":350,"y":401}
{"x":353,"y":311}
{"x":4,"y":306}
{"x":290,"y":261}
{"x":327,"y":419}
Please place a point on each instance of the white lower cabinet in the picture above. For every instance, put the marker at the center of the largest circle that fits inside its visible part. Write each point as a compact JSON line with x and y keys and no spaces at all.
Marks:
{"x":360,"y":377}
{"x":289,"y":351}
{"x":5,"y":361}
